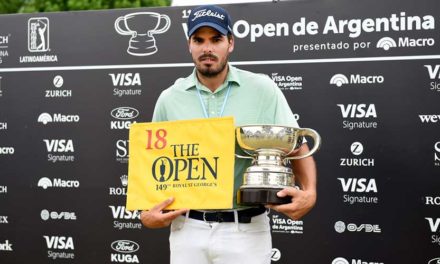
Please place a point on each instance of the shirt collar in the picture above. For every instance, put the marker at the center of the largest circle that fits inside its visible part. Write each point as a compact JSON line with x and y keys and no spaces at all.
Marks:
{"x":191,"y":80}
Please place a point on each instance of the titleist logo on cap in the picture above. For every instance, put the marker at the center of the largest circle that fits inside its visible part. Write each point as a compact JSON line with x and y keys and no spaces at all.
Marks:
{"x":203,"y":13}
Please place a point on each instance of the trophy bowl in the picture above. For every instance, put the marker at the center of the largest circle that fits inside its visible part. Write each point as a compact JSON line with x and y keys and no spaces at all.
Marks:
{"x":270,"y":147}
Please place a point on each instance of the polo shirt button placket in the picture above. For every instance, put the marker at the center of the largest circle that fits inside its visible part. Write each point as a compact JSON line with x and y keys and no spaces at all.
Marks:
{"x":213,"y":105}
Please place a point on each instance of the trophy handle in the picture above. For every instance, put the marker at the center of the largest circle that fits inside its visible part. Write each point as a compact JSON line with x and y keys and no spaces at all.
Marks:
{"x":316,"y":140}
{"x":245,"y":157}
{"x":119,"y":29}
{"x":164,"y":28}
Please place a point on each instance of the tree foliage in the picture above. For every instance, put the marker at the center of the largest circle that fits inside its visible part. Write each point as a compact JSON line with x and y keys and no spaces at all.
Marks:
{"x":32,"y":6}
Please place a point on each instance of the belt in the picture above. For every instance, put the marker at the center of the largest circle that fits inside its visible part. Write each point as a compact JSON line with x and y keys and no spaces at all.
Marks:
{"x":244,"y":216}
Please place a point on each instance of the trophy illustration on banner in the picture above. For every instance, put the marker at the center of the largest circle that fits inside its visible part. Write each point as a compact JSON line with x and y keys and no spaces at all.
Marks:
{"x":270,"y":147}
{"x":142,"y":26}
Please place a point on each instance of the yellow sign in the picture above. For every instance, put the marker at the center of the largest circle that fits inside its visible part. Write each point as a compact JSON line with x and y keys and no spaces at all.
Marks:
{"x":190,"y":160}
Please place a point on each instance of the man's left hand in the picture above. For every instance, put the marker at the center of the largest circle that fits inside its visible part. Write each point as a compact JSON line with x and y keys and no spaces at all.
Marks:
{"x":302,"y":203}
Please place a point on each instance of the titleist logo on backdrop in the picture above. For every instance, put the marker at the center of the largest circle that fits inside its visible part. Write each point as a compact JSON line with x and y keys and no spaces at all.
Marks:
{"x":203,"y":13}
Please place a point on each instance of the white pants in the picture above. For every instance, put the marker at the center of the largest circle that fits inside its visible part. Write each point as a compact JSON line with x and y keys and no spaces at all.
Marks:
{"x":198,"y":242}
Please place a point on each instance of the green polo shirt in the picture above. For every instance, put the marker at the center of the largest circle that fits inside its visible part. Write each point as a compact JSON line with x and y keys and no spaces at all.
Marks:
{"x":253,"y":99}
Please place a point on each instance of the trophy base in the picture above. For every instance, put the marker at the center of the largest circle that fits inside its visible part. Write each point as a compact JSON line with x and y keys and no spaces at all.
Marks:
{"x":142,"y":51}
{"x":258,"y":196}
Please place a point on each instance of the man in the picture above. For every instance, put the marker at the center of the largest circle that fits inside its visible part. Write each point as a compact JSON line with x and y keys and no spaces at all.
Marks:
{"x":216,"y":89}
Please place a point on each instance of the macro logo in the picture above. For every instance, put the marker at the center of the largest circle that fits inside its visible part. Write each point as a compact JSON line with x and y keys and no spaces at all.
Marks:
{"x":125,"y":250}
{"x":434,"y":76}
{"x":352,"y":112}
{"x":340,"y":79}
{"x":7,"y":151}
{"x":341,"y":227}
{"x":46,"y":118}
{"x":46,"y":215}
{"x":38,"y":34}
{"x":57,"y":183}
{"x":356,"y":149}
{"x":340,"y":261}
{"x":387,"y":43}
{"x":123,"y":115}
{"x":3,"y":125}
{"x":58,"y":245}
{"x":3,"y":189}
{"x":353,"y":261}
{"x":44,"y":183}
{"x":122,"y":216}
{"x":416,"y":42}
{"x":6,"y":246}
{"x":434,"y":261}
{"x":434,"y":227}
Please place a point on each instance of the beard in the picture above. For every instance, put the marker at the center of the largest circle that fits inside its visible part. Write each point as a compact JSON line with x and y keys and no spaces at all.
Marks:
{"x":210,"y":70}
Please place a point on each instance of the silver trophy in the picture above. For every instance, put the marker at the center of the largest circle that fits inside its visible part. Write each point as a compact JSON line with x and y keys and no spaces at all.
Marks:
{"x":270,"y":147}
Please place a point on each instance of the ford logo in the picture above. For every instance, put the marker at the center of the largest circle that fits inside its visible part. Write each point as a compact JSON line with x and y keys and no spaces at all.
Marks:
{"x":124,"y":113}
{"x":434,"y":261}
{"x":125,"y":246}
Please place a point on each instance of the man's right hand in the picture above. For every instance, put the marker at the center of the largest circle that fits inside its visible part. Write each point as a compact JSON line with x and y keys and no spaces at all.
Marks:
{"x":157,"y":218}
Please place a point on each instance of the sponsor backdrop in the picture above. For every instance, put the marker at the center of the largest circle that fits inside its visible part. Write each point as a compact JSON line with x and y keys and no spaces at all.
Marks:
{"x":365,"y":74}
